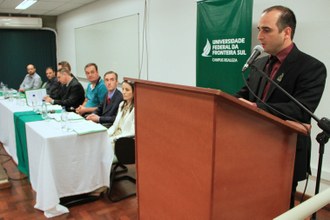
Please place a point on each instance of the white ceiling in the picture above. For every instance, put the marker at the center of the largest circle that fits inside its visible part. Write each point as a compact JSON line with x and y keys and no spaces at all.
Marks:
{"x":42,"y":7}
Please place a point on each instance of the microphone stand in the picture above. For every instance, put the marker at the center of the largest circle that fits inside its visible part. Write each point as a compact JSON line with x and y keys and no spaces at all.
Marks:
{"x":323,"y":123}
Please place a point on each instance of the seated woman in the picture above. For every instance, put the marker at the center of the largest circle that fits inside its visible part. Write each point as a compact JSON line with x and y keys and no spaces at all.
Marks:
{"x":124,"y":122}
{"x":123,"y":125}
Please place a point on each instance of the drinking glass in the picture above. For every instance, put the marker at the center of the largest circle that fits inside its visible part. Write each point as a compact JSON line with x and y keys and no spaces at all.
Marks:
{"x":64,"y":120}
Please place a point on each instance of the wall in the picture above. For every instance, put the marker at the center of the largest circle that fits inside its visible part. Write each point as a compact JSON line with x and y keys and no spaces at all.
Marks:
{"x":171,"y":36}
{"x":99,"y":11}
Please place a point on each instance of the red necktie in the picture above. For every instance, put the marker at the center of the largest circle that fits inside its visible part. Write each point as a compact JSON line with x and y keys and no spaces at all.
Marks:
{"x":270,"y":73}
{"x":108,"y":100}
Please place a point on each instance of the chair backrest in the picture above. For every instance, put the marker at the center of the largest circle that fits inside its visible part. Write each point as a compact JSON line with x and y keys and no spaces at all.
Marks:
{"x":125,"y":150}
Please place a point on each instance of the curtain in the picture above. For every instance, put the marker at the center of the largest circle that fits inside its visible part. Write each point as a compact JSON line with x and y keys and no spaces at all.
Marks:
{"x":18,"y":48}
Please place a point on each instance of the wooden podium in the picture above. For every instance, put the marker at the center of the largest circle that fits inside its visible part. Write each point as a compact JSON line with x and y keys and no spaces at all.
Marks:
{"x":203,"y":154}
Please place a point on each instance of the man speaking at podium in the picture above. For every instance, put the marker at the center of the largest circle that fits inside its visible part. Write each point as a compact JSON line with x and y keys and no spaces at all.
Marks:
{"x":301,"y":75}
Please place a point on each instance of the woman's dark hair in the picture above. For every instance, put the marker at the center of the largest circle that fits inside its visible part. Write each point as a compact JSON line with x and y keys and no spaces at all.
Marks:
{"x":131,"y":84}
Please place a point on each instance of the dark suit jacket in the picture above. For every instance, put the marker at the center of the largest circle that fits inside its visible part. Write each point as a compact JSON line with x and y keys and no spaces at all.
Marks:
{"x":71,"y":96}
{"x":108,"y":112}
{"x":303,"y":77}
{"x":53,"y":87}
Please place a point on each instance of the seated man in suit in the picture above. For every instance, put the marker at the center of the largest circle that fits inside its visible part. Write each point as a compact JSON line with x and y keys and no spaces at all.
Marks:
{"x":31,"y":80}
{"x":107,"y":111}
{"x":95,"y":93}
{"x":72,"y":94}
{"x":52,"y":85}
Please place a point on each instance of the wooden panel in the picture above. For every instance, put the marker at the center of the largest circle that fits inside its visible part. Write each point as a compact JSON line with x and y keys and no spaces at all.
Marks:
{"x":253,"y":165}
{"x":203,"y":154}
{"x":174,"y":153}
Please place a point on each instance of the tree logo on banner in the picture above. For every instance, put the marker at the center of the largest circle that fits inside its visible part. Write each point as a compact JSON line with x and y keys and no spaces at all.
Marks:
{"x":207,"y":49}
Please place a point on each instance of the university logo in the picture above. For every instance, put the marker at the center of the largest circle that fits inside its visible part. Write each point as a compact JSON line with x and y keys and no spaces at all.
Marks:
{"x":224,"y":50}
{"x":207,"y":49}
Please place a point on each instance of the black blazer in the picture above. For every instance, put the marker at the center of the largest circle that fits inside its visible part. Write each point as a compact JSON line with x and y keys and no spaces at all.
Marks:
{"x":53,"y":87}
{"x":107,"y":112}
{"x":303,"y":77}
{"x":71,"y":96}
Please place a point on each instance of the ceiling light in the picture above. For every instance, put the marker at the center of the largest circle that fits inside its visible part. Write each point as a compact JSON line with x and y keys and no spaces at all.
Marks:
{"x":25,"y":4}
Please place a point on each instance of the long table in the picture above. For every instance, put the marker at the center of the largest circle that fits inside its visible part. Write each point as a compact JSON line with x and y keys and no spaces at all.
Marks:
{"x":61,"y":163}
{"x":7,"y":127}
{"x":20,"y":119}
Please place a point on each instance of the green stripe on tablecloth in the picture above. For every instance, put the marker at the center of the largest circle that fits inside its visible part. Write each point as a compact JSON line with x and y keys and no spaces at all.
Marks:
{"x":20,"y":118}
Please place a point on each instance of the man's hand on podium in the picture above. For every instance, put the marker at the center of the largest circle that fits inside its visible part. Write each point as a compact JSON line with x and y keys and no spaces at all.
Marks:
{"x":303,"y":126}
{"x":248,"y":102}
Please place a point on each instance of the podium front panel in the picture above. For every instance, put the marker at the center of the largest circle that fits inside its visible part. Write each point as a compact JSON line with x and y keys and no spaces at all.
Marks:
{"x":254,"y":162}
{"x":202,"y":154}
{"x":174,"y":136}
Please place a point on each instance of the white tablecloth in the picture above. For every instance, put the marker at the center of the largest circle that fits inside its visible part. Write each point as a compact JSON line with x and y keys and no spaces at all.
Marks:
{"x":63,"y":163}
{"x":7,"y":127}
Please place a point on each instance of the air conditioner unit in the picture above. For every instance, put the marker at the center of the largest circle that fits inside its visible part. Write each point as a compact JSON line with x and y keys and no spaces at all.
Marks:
{"x":20,"y":22}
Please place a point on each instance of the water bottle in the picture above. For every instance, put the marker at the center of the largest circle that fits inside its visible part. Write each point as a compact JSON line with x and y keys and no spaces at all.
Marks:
{"x":1,"y":88}
{"x":64,"y":119}
{"x":5,"y":91}
{"x":34,"y":103}
{"x":44,"y":113}
{"x":10,"y":94}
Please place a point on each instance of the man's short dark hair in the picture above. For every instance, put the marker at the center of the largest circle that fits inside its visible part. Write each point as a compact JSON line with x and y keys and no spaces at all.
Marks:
{"x":65,"y":70}
{"x":286,"y":19}
{"x":65,"y":64}
{"x":111,"y":72}
{"x":91,"y":64}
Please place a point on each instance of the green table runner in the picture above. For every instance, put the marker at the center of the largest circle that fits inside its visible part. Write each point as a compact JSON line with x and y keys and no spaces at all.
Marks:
{"x":20,"y":118}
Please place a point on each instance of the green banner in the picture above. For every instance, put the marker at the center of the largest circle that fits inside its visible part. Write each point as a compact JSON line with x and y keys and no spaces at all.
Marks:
{"x":223,"y":43}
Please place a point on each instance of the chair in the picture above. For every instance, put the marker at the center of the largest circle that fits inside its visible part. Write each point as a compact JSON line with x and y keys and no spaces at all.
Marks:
{"x":125,"y":153}
{"x":70,"y":201}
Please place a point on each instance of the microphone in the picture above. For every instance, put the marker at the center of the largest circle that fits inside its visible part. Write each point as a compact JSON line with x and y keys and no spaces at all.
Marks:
{"x":257,"y":50}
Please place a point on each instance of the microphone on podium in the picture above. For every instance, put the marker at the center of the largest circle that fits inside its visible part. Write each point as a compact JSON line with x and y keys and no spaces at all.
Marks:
{"x":257,"y":50}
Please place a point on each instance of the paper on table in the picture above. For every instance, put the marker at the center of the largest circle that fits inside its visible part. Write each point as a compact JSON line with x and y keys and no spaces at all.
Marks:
{"x":71,"y":116}
{"x":51,"y":107}
{"x":85,"y":127}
